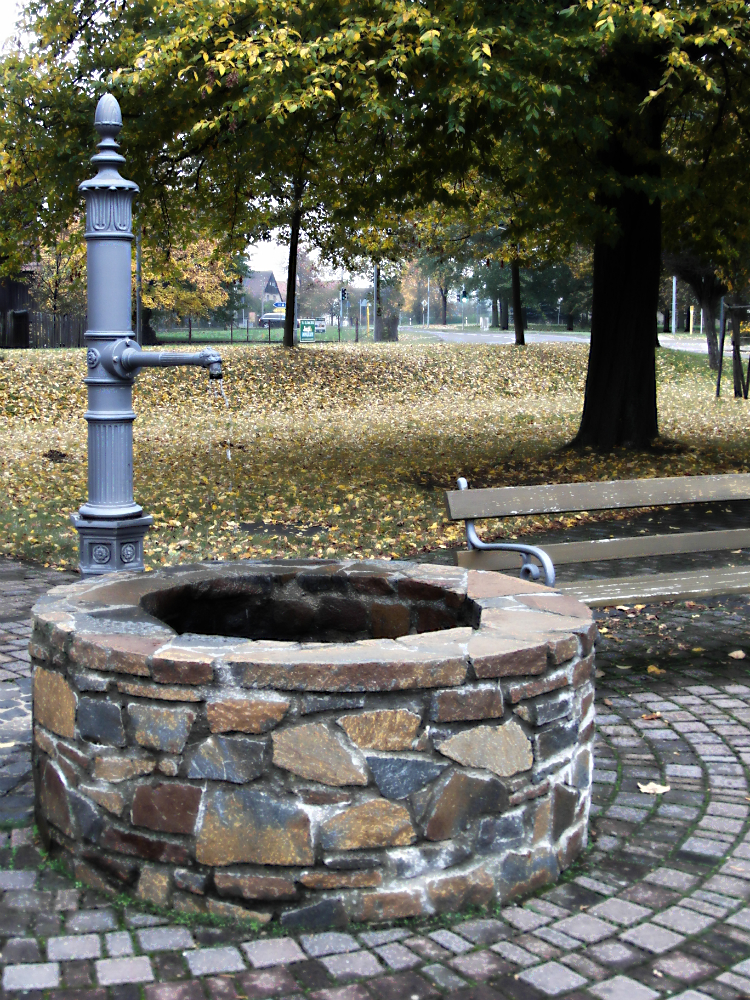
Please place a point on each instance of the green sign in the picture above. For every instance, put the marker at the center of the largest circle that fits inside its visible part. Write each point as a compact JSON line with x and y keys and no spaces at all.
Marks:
{"x":306,"y":330}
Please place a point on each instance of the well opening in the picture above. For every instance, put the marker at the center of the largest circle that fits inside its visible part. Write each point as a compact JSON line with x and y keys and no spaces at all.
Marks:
{"x":310,"y":605}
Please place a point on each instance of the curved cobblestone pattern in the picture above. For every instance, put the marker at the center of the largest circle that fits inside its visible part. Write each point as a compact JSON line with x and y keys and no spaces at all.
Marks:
{"x":429,"y":750}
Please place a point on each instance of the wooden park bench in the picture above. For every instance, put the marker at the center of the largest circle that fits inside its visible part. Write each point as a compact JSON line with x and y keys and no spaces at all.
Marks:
{"x":515,"y":501}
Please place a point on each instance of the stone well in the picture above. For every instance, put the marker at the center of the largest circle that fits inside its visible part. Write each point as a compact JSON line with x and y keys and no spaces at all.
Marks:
{"x":313,"y":741}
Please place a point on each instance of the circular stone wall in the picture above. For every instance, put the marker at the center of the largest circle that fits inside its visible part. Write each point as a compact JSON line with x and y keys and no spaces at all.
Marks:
{"x":419,"y":742}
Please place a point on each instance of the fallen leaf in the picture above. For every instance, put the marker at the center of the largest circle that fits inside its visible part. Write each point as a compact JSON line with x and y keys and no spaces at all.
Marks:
{"x":738,"y":654}
{"x":655,"y":671}
{"x":650,"y":716}
{"x":622,"y":666}
{"x":659,"y":975}
{"x":622,"y":607}
{"x":698,"y":649}
{"x":639,"y":607}
{"x":608,"y":702}
{"x":652,"y":788}
{"x":599,"y":674}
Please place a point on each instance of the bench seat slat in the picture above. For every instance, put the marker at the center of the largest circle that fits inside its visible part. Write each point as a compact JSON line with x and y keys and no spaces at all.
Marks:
{"x":509,"y":501}
{"x":656,"y":587}
{"x":563,"y":553}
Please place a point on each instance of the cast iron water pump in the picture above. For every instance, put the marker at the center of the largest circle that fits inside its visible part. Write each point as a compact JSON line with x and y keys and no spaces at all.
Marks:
{"x":111,"y":526}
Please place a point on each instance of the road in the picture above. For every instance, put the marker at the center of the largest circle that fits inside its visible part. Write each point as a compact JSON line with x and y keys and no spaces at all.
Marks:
{"x":694,"y":344}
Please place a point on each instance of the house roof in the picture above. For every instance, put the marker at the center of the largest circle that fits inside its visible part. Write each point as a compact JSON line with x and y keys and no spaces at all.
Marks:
{"x":263,"y":283}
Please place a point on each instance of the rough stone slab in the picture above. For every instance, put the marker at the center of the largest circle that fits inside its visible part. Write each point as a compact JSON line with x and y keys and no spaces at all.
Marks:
{"x":505,"y":749}
{"x":246,"y":825}
{"x":397,"y":777}
{"x":161,"y":728}
{"x":54,"y":703}
{"x":251,"y":714}
{"x":227,"y":758}
{"x":258,"y":886}
{"x":377,"y":823}
{"x":313,"y":752}
{"x":466,"y":704}
{"x":384,"y":729}
{"x":458,"y":799}
{"x":169,"y":808}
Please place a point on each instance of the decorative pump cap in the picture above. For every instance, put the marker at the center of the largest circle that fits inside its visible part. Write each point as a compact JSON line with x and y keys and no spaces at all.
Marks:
{"x":108,"y":118}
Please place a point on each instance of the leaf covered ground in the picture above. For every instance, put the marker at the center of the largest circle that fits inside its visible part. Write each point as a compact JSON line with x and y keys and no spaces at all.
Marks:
{"x":335,"y":449}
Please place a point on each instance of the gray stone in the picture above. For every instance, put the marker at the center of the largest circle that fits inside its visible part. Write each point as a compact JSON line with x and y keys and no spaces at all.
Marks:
{"x":329,"y":703}
{"x":625,"y":988}
{"x":452,"y":941}
{"x":355,"y":965}
{"x":17,"y":880}
{"x":21,"y":949}
{"x":101,"y":721}
{"x":214,"y":961}
{"x":119,"y":944}
{"x":161,"y":728}
{"x":498,"y":833}
{"x":276,"y":951}
{"x":165,"y":938}
{"x":91,"y":682}
{"x":73,"y":946}
{"x":91,"y":920}
{"x":456,"y":800}
{"x":227,"y":758}
{"x":397,"y":777}
{"x":546,"y":708}
{"x":446,"y":979}
{"x":86,"y":816}
{"x":397,"y":957}
{"x":38,"y":976}
{"x":652,"y":938}
{"x":118,"y":971}
{"x":552,"y":978}
{"x":411,"y":862}
{"x":331,"y":943}
{"x":564,"y":803}
{"x":504,"y":749}
{"x":584,"y":927}
{"x":554,"y":739}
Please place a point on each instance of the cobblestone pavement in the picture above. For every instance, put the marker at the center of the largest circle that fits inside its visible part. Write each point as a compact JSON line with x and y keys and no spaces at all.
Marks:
{"x":658,"y":907}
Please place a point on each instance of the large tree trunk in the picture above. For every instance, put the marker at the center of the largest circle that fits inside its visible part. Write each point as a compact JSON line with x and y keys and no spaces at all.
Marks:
{"x":444,"y":304}
{"x":506,"y":312}
{"x":515,"y":283}
{"x":709,"y":327}
{"x":495,"y":320}
{"x":620,"y":401}
{"x":291,"y":278}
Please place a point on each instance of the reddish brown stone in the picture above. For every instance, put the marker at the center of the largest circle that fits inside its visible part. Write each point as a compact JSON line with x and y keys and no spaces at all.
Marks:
{"x":587,"y":637}
{"x":527,"y":792}
{"x":376,"y":823}
{"x":174,"y":665}
{"x":123,"y":871}
{"x":313,"y":752}
{"x":110,"y":798}
{"x":586,"y":733}
{"x":231,"y":911}
{"x":583,"y":671}
{"x":140,"y":846}
{"x":38,"y":653}
{"x":586,"y":702}
{"x":71,"y":775}
{"x":252,"y":714}
{"x":516,"y":691}
{"x":45,"y":742}
{"x":341,"y":880}
{"x":450,"y":893}
{"x":245,"y":825}
{"x":378,"y":906}
{"x":53,"y":798}
{"x":484,"y":701}
{"x":169,"y":808}
{"x":121,"y":768}
{"x":382,"y":729}
{"x":54,"y":703}
{"x":94,"y":879}
{"x":254,"y":886}
{"x":542,"y":819}
{"x":161,"y":728}
{"x":571,"y":848}
{"x":122,"y":654}
{"x":563,"y":649}
{"x":493,"y":654}
{"x":434,"y":618}
{"x":505,"y":749}
{"x":389,"y":620}
{"x":154,"y":886}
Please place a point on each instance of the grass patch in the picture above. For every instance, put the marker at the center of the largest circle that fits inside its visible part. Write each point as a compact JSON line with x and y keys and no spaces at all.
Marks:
{"x":334,"y":449}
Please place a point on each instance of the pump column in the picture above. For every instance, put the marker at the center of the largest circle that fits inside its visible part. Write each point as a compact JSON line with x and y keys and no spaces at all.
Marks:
{"x":111,"y":526}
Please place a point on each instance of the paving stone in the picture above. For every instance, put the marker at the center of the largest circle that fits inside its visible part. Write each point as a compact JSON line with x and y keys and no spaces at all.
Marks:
{"x":685,"y":921}
{"x":353,"y":992}
{"x":39,"y":976}
{"x":17,"y":880}
{"x":684,"y":967}
{"x":514,"y":954}
{"x":585,"y":928}
{"x":446,"y":979}
{"x":614,"y":953}
{"x":352,"y":965}
{"x":552,"y":978}
{"x":523,"y":919}
{"x":482,"y":931}
{"x":331,"y":943}
{"x":373,"y":938}
{"x":91,"y":920}
{"x":620,"y":911}
{"x":396,"y":956}
{"x":175,"y":991}
{"x":165,"y":939}
{"x":623,"y":988}
{"x":21,"y":949}
{"x":113,"y":971}
{"x":480,"y":965}
{"x":277,"y":951}
{"x":653,"y":938}
{"x":672,"y":879}
{"x":261,"y":983}
{"x":119,"y":944}
{"x":450,"y":941}
{"x":73,"y":946}
{"x":211,"y":961}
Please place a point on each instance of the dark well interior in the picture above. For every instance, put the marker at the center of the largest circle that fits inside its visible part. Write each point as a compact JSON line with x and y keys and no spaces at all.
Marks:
{"x":310,"y":606}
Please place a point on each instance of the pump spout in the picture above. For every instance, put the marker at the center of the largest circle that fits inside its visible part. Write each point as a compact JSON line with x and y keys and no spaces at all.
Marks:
{"x":125,"y":359}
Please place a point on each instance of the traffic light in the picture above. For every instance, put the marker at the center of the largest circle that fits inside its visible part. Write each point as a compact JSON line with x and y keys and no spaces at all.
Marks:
{"x":464,"y":296}
{"x":343,"y":295}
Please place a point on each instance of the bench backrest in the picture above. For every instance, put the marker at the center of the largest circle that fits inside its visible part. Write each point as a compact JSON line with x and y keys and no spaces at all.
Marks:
{"x":509,"y":501}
